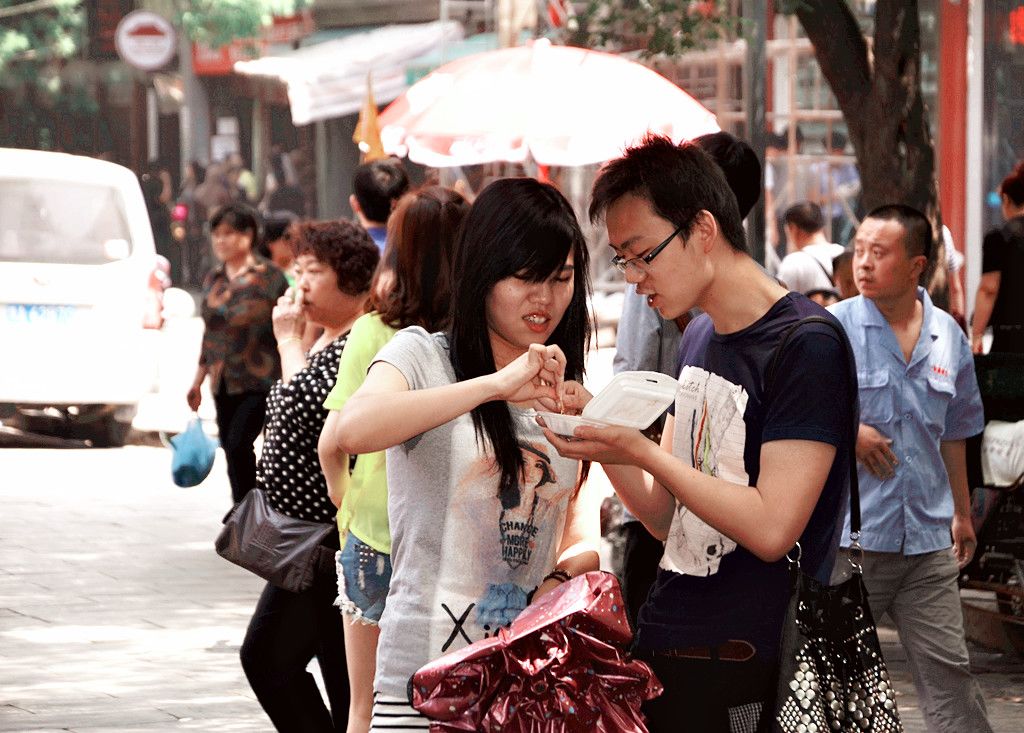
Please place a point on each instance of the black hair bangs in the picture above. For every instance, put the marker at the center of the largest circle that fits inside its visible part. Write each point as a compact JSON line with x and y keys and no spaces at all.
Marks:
{"x":238,"y":216}
{"x":542,"y":254}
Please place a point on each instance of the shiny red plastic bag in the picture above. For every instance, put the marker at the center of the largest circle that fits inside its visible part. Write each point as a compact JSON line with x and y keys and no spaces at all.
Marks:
{"x":561,"y":667}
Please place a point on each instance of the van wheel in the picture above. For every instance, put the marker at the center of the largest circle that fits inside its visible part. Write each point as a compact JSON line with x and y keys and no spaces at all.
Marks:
{"x":102,"y":431}
{"x":107,"y":433}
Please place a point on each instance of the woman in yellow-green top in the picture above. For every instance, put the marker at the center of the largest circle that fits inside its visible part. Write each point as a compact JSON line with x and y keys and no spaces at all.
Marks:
{"x":411,"y":288}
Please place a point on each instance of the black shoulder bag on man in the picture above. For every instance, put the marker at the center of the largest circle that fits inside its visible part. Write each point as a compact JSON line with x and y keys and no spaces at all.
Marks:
{"x":831,"y":673}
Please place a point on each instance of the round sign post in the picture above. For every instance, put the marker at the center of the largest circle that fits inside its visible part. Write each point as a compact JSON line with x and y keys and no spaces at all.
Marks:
{"x":145,"y":40}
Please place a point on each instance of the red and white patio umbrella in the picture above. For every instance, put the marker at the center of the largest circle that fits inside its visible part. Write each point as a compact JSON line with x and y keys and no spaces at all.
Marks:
{"x":560,"y":105}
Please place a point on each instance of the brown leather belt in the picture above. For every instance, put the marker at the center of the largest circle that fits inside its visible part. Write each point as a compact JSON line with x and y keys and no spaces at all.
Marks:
{"x":734,"y":650}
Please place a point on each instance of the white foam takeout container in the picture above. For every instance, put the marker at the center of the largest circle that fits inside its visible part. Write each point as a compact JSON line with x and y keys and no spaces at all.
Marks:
{"x":631,"y":400}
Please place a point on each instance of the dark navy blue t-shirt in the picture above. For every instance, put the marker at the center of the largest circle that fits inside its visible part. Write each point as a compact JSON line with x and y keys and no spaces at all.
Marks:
{"x":709,"y":589}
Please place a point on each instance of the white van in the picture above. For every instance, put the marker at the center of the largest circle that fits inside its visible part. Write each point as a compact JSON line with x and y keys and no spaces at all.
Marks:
{"x":76,"y":259}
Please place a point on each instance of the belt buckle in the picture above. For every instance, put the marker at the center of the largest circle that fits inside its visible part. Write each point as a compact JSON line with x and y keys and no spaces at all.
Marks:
{"x":733,"y":650}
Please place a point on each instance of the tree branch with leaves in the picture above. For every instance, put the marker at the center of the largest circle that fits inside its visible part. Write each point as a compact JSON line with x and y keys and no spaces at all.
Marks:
{"x":216,"y":23}
{"x":39,"y":31}
{"x":656,"y":27}
{"x":878,"y":88}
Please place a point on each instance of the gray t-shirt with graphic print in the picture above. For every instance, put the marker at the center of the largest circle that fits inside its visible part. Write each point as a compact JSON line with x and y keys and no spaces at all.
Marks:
{"x":463,"y":566}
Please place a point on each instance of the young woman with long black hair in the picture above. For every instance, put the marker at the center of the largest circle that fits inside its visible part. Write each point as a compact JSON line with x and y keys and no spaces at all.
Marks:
{"x":482,"y":510}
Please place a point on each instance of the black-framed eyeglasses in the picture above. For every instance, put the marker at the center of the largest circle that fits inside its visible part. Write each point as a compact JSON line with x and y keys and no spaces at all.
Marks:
{"x":640,"y":263}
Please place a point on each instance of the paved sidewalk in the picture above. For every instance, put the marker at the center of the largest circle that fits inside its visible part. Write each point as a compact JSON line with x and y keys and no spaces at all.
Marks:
{"x":117,"y":616}
{"x":115,"y":612}
{"x":1001,"y":678}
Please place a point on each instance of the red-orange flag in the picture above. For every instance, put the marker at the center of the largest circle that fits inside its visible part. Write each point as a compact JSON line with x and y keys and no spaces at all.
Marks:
{"x":367,"y":134}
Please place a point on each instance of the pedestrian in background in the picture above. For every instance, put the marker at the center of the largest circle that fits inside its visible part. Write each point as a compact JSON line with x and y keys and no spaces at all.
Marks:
{"x":280,"y":187}
{"x":954,"y":264}
{"x":919,"y":402}
{"x":239,"y":352}
{"x":482,"y":513}
{"x":1000,"y":299}
{"x":842,"y":275}
{"x":417,"y":265}
{"x":838,"y":187}
{"x":809,"y":265}
{"x":160,"y":222}
{"x":779,"y":190}
{"x":245,"y":187}
{"x":215,"y":190}
{"x":377,"y":187}
{"x":194,"y":244}
{"x":276,"y":244}
{"x":335,"y":262}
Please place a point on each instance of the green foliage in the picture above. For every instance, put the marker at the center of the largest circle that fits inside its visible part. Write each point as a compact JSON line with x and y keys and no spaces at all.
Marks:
{"x":216,"y":23}
{"x":668,"y":27}
{"x":44,"y":32}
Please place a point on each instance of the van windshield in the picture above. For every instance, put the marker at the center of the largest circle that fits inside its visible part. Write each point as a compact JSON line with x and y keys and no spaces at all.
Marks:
{"x":61,"y":222}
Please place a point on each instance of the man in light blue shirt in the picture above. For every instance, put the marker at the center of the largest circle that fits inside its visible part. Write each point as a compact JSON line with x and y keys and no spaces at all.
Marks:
{"x":919,"y":401}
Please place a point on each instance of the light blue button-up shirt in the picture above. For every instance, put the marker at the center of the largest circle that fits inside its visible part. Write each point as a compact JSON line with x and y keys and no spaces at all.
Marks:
{"x":917,"y":404}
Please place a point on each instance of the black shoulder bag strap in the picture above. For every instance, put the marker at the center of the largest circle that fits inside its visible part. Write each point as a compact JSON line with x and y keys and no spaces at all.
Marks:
{"x":769,"y":383}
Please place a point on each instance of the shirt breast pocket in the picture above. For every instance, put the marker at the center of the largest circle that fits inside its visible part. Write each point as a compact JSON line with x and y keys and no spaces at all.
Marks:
{"x":940,"y":394}
{"x":877,"y":402}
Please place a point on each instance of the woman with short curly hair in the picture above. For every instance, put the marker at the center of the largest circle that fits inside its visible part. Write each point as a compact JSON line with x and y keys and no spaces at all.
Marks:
{"x":335,"y":262}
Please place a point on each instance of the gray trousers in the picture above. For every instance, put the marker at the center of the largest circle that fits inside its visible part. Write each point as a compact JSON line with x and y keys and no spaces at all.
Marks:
{"x":920,"y":594}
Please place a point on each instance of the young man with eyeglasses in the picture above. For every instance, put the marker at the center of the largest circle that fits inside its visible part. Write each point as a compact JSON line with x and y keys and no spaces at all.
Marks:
{"x":743,"y":472}
{"x":646,"y":342}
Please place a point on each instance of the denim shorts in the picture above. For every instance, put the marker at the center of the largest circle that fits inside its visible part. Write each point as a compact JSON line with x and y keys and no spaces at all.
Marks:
{"x":364,"y":575}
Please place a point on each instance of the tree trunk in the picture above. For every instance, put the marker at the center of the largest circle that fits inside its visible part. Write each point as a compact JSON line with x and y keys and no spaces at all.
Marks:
{"x":879,"y":93}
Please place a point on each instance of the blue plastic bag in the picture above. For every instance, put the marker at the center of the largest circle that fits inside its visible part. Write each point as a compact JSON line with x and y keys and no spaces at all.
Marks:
{"x":193,"y":453}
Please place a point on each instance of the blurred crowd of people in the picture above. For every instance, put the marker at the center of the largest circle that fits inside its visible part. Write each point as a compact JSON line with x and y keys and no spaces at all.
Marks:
{"x":179,"y":219}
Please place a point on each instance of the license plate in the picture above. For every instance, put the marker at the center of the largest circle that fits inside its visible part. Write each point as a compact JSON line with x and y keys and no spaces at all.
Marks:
{"x":41,"y":314}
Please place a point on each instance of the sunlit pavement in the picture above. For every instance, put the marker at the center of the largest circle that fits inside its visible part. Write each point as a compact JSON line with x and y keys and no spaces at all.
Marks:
{"x":117,"y":615}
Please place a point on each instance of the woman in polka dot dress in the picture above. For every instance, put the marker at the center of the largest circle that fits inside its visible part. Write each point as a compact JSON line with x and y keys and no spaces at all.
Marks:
{"x":335,"y":262}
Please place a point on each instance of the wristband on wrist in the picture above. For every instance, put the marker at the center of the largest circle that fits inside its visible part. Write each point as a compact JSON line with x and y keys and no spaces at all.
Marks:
{"x":286,"y":339}
{"x":560,"y":575}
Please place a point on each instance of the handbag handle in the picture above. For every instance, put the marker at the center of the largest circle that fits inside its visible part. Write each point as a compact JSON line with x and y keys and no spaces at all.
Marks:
{"x":769,"y":380}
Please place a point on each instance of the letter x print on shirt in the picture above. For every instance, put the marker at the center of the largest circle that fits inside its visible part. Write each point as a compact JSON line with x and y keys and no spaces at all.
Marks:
{"x":459,"y":623}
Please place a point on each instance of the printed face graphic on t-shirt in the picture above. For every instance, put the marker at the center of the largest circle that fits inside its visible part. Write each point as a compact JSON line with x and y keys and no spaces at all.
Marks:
{"x":517,"y":526}
{"x":494,"y":556}
{"x":709,"y":429}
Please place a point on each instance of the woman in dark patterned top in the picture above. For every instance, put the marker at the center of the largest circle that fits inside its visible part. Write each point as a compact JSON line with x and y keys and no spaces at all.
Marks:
{"x":239,"y":353}
{"x":335,"y":262}
{"x":1000,"y":299}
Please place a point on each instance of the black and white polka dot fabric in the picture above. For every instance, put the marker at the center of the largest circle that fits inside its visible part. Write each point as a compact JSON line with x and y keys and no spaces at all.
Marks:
{"x":289,"y":468}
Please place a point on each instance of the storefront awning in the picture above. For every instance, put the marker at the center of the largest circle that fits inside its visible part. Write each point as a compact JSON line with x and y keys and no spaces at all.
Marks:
{"x":328,"y":79}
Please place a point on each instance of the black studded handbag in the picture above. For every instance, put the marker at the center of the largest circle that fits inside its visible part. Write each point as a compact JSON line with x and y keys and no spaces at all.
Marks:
{"x":832,"y":676}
